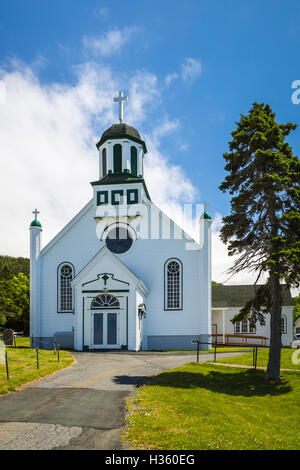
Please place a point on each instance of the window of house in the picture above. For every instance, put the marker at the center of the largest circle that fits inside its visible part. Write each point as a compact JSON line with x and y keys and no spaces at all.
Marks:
{"x":173,"y":285}
{"x":65,"y":291}
{"x":244,"y":327}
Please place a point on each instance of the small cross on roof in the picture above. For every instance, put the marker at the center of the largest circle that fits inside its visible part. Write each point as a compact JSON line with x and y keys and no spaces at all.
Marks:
{"x":35,"y":212}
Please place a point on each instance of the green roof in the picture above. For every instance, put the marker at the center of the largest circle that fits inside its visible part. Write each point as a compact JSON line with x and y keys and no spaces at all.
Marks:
{"x":237,"y":296}
{"x":206,"y":216}
{"x":36,"y":223}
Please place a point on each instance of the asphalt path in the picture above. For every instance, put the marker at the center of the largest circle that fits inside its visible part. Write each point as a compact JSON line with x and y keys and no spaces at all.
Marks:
{"x":82,"y":407}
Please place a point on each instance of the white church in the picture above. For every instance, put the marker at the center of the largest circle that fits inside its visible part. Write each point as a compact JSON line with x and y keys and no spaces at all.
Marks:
{"x":121,"y":274}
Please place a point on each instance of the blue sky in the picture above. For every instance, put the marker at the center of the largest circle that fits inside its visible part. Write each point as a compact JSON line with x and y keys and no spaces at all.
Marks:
{"x":204,"y":62}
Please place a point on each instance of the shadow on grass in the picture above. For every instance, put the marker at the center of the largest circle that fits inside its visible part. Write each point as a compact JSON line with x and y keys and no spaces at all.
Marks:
{"x":239,"y":383}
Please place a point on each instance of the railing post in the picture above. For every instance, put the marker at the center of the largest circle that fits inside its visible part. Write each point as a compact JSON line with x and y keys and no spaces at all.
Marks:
{"x":6,"y":364}
{"x":255,"y":357}
{"x":37,"y":358}
{"x":198,"y":351}
{"x":215,"y":352}
{"x":58,"y":353}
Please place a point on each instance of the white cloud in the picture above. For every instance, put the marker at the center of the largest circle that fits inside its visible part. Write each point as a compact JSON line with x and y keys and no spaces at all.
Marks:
{"x":111,"y":43}
{"x":101,"y":12}
{"x":221,"y":262}
{"x":191,"y":69}
{"x":183,"y":147}
{"x":170,"y":78}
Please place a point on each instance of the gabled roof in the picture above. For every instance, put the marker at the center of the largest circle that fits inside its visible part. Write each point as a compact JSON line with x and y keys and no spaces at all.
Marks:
{"x":67,"y":227}
{"x":114,"y":260}
{"x":237,"y":296}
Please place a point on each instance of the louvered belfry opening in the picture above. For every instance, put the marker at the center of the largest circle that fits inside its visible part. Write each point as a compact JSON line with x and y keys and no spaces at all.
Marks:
{"x":117,"y":158}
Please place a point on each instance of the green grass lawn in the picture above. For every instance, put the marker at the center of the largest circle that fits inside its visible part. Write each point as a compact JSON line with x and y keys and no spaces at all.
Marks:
{"x":262,"y":359}
{"x":25,"y":370}
{"x":202,"y":406}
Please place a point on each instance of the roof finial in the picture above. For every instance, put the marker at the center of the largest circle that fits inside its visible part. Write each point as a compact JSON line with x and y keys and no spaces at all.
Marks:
{"x":119,"y":99}
{"x":35,"y":212}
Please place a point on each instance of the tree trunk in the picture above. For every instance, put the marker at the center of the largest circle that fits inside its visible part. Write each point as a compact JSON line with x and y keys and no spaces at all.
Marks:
{"x":273,"y":369}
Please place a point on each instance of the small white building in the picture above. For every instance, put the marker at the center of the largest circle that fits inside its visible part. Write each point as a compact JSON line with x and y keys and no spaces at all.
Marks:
{"x":227,"y":302}
{"x":121,"y":274}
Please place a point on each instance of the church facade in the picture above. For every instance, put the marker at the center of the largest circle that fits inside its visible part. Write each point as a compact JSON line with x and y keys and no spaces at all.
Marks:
{"x":121,"y":274}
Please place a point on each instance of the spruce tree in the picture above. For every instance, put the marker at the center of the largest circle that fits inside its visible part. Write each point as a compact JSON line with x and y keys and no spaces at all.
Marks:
{"x":264,"y":224}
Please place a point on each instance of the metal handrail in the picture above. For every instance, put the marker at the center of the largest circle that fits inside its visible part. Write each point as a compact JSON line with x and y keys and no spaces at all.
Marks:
{"x":244,"y":338}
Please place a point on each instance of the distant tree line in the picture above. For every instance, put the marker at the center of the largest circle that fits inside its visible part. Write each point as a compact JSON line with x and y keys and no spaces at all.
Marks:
{"x":14,"y":293}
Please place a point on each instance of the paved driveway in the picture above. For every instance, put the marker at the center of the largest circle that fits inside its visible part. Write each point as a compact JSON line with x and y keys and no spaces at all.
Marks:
{"x":82,"y":407}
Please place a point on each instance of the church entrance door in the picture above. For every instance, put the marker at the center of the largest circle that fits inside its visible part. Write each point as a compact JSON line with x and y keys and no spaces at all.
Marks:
{"x":105,"y":331}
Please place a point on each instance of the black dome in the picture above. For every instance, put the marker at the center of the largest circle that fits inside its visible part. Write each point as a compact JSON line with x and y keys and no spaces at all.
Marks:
{"x":120,"y":131}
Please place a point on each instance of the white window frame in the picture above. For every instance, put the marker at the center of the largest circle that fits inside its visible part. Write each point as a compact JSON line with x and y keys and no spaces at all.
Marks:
{"x":166,"y":306}
{"x":238,"y":326}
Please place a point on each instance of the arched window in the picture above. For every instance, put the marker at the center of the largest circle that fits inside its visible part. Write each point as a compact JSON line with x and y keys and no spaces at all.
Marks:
{"x":118,"y":158}
{"x":173,"y":284}
{"x":104,"y":164}
{"x":105,"y":301}
{"x":65,"y":291}
{"x":133,"y":162}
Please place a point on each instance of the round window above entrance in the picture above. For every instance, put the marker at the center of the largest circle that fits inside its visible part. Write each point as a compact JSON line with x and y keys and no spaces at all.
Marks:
{"x":118,"y":240}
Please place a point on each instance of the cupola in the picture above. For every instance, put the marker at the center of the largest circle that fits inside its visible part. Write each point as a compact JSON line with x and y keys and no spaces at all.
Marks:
{"x":121,"y":149}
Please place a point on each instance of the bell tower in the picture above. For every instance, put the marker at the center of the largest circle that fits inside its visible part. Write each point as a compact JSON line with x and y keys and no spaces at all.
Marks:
{"x":120,"y":190}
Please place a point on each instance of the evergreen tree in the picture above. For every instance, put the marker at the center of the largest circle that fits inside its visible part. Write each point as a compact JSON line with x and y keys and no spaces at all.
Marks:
{"x":264,"y":224}
{"x":296,"y":309}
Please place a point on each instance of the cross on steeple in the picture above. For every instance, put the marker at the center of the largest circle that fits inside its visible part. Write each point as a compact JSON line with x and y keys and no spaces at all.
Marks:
{"x":119,"y":99}
{"x":35,"y":212}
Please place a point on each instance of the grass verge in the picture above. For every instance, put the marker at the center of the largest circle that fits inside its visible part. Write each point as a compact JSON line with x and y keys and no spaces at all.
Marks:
{"x":23,"y":370}
{"x":262,"y":359}
{"x":201,"y":406}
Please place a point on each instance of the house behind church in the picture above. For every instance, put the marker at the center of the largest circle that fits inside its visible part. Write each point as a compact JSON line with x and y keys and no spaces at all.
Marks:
{"x":227,"y":302}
